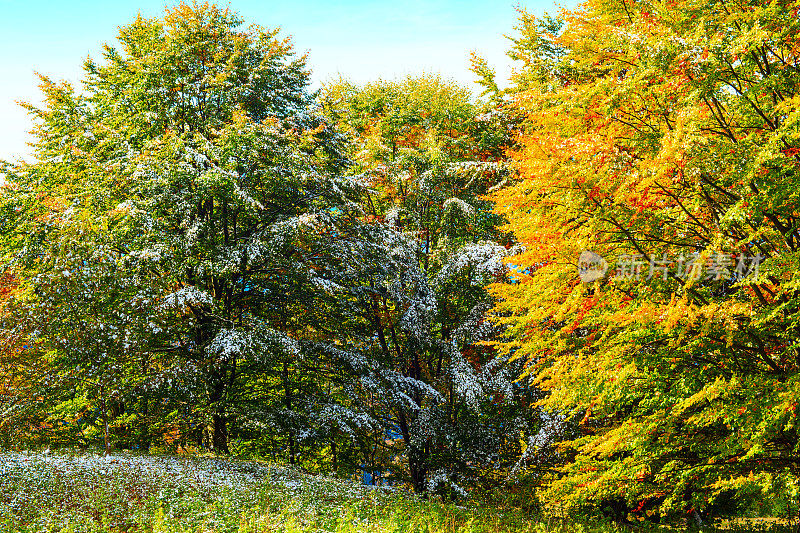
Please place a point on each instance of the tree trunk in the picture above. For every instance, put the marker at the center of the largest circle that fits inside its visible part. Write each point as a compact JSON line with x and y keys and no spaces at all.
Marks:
{"x":219,"y":420}
{"x":287,"y":402}
{"x":416,"y":457}
{"x":104,"y":413}
{"x":418,"y":470}
{"x":333,"y":452}
{"x":144,"y":431}
{"x":292,"y":451}
{"x":220,"y":434}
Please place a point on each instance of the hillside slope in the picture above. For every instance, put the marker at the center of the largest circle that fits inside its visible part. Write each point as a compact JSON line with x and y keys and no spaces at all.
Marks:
{"x":125,"y":492}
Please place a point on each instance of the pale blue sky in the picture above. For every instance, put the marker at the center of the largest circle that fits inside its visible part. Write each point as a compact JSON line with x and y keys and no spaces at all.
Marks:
{"x":362,"y":40}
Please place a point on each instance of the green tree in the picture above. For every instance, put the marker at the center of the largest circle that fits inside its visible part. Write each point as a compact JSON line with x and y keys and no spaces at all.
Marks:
{"x":182,"y":190}
{"x":428,"y":154}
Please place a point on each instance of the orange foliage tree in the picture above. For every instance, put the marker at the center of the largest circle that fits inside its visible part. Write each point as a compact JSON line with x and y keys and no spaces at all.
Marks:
{"x":662,"y":140}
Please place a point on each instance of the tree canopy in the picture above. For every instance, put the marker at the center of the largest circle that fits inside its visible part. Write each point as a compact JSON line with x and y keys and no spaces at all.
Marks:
{"x":582,"y":288}
{"x":664,"y":139}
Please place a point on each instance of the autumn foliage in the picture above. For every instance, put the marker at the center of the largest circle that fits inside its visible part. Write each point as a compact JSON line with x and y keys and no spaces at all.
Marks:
{"x":661,"y":133}
{"x":583,"y":290}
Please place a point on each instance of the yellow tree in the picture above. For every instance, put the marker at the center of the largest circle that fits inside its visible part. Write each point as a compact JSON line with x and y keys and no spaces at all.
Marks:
{"x":661,"y":149}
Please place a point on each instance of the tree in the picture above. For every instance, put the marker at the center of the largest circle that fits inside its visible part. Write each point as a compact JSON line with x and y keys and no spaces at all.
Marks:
{"x":660,"y":136}
{"x":416,"y":295}
{"x":9,"y":383}
{"x":174,"y":203}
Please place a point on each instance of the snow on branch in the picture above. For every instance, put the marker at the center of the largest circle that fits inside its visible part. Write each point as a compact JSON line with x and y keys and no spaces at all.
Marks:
{"x":186,"y":296}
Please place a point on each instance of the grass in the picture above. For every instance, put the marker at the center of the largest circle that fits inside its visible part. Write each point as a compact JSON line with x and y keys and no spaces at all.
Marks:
{"x":126,"y":493}
{"x":71,"y":493}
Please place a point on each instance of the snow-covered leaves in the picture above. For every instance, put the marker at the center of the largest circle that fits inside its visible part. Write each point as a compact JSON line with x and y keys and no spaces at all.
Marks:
{"x":260,"y":342}
{"x":484,"y":260}
{"x":414,"y":288}
{"x":187,"y":297}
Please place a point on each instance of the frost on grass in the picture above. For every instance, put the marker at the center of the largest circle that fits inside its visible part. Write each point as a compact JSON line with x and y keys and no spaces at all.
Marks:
{"x":55,"y":492}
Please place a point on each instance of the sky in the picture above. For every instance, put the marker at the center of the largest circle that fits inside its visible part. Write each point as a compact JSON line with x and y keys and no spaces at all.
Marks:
{"x":357,"y":39}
